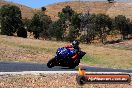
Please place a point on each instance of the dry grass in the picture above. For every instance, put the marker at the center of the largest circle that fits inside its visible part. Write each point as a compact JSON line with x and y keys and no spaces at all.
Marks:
{"x":31,"y":50}
{"x":18,"y":49}
{"x":50,"y":81}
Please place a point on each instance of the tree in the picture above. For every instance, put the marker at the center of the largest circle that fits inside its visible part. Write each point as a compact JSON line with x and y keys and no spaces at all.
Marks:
{"x":129,"y":28}
{"x":27,"y":23}
{"x":36,"y":26}
{"x":110,"y":1}
{"x":65,"y":16}
{"x":72,"y":35}
{"x":40,"y":24}
{"x":43,"y":8}
{"x":10,"y":19}
{"x":56,"y":30}
{"x":121,"y":23}
{"x":87,"y":27}
{"x":103,"y":26}
{"x":46,"y":21}
{"x":75,"y":20}
{"x":68,"y":19}
{"x":74,"y":27}
{"x":68,"y":12}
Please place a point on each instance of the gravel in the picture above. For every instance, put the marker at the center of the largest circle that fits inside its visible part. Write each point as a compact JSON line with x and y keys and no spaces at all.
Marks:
{"x":50,"y":81}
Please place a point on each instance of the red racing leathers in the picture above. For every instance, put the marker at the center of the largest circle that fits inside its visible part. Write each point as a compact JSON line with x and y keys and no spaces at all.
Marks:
{"x":73,"y":48}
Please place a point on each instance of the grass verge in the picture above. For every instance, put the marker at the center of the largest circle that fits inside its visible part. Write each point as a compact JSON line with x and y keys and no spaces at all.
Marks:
{"x":110,"y":63}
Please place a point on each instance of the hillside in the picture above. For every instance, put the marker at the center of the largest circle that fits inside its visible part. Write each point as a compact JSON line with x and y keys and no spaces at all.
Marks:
{"x":27,"y":12}
{"x":111,"y":9}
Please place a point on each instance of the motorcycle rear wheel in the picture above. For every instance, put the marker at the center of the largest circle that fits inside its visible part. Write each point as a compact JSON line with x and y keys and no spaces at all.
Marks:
{"x":74,"y":64}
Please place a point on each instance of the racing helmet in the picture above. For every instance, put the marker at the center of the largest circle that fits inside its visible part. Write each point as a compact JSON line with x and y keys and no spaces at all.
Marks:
{"x":75,"y":43}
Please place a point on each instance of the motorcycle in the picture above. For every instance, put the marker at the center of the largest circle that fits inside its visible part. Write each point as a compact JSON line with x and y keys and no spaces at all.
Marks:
{"x":63,"y":58}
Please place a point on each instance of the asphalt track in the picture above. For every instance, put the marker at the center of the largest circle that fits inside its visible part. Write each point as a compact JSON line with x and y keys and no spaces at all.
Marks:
{"x":20,"y":67}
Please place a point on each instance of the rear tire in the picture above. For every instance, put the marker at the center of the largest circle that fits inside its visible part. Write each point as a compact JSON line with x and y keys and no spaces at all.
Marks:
{"x":75,"y":63}
{"x":72,"y":67}
{"x":51,"y":63}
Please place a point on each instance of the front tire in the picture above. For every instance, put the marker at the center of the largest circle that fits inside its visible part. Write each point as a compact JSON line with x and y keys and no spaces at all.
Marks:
{"x":51,"y":63}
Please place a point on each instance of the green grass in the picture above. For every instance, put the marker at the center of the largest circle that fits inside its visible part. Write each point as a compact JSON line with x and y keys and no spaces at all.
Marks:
{"x":121,"y":48}
{"x":91,"y":60}
{"x":110,"y":63}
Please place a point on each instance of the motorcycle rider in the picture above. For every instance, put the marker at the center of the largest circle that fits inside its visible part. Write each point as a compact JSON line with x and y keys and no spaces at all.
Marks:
{"x":75,"y":47}
{"x":71,"y":58}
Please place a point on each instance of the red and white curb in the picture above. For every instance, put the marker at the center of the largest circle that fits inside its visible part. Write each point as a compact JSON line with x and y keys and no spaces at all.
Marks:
{"x":56,"y":72}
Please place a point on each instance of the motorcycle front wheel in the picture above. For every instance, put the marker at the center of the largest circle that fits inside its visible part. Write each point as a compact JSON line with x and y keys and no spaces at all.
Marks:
{"x":51,"y":63}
